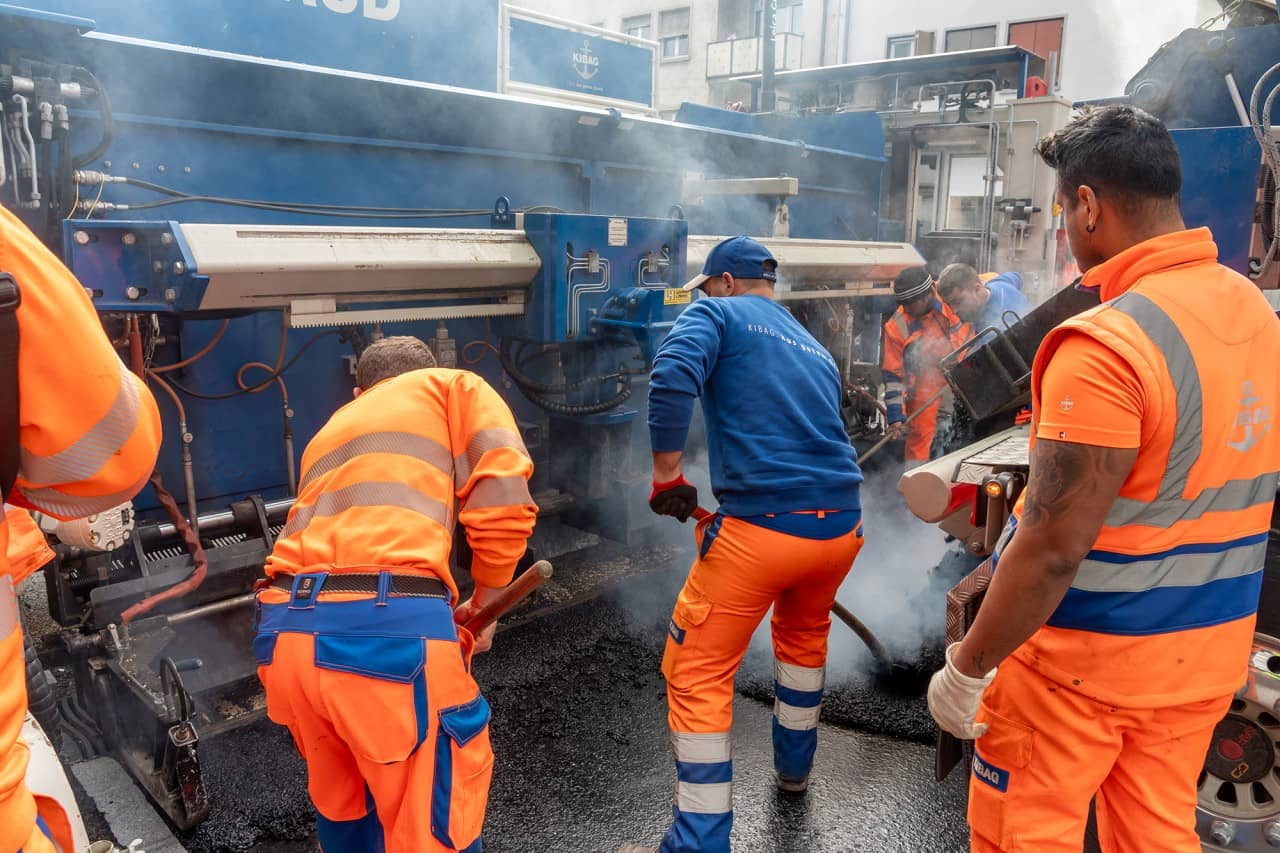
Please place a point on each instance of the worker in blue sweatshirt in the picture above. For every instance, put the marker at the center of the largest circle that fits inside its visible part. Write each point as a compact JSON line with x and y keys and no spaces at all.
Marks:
{"x":788,"y":527}
{"x":984,"y":301}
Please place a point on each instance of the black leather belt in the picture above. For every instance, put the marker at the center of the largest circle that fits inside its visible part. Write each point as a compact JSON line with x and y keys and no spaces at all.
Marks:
{"x":402,"y":585}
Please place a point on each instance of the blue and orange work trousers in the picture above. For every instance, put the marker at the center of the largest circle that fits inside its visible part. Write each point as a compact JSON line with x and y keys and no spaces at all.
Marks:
{"x":1049,"y":750}
{"x":378,"y":695}
{"x":741,"y":571}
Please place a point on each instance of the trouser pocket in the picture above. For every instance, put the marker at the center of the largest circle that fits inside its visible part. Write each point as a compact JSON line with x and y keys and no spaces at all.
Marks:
{"x":463,"y":769}
{"x":375,"y":692}
{"x":1000,"y":757}
{"x":691,"y":610}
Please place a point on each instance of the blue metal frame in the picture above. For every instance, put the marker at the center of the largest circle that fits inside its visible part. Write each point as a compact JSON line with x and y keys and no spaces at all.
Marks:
{"x":217,"y":124}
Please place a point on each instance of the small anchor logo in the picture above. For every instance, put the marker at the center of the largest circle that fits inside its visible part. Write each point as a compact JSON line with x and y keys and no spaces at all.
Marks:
{"x":586,"y":63}
{"x":1256,"y":421}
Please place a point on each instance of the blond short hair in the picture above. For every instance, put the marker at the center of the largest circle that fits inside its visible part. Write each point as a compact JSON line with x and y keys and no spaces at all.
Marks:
{"x":390,"y":357}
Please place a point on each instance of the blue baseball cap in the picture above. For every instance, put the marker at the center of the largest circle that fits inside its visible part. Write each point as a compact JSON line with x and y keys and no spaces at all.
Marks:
{"x":740,"y":257}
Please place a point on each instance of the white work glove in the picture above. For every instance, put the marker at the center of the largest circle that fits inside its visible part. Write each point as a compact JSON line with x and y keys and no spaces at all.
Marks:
{"x":954,"y":698}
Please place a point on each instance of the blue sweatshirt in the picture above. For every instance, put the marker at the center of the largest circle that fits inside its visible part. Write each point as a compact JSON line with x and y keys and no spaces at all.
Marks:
{"x":1006,"y":295}
{"x":771,"y":400}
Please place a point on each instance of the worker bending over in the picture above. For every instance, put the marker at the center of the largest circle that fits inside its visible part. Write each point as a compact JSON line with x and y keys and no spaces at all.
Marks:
{"x":1119,"y":622}
{"x":79,"y":434}
{"x":918,"y":335}
{"x":984,"y":301}
{"x":786,"y":534}
{"x":357,"y":644}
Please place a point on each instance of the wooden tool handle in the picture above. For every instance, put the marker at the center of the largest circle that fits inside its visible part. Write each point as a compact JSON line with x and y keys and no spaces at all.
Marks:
{"x":517,"y":591}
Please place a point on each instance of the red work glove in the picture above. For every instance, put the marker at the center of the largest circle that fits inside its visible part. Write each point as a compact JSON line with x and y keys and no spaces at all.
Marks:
{"x":678,"y":499}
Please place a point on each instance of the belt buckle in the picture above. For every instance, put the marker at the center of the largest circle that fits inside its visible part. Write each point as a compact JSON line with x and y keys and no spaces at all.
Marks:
{"x":10,"y":294}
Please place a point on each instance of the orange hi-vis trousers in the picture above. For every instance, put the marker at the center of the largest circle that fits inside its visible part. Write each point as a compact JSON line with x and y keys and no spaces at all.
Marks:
{"x":378,"y":695}
{"x":742,"y":570}
{"x":1050,"y":750}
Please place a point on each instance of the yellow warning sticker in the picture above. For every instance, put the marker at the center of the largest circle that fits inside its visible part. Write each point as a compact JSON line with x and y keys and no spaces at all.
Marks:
{"x":676,"y":296}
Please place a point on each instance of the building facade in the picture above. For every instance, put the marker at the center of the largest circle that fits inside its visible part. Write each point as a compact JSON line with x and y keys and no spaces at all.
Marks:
{"x":1095,"y":45}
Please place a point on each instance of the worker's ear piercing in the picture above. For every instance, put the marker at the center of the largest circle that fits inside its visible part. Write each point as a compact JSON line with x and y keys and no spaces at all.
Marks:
{"x":1091,"y":228}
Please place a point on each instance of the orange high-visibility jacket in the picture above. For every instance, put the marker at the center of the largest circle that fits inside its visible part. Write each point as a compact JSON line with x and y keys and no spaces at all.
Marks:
{"x":89,"y":432}
{"x":1162,"y":609}
{"x":913,"y":347}
{"x":28,"y":548}
{"x":384,"y":480}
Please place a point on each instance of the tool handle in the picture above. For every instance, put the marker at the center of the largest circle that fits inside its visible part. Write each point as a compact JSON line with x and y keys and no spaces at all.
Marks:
{"x":517,"y":591}
{"x":875,"y":448}
{"x":864,"y":633}
{"x":699,"y":513}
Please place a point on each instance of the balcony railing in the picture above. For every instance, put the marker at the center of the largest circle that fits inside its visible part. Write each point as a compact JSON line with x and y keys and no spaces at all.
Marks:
{"x":733,"y":57}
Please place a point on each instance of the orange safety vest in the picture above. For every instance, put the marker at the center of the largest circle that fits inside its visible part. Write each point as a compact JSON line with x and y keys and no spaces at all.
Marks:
{"x":381,"y":479}
{"x":89,"y":432}
{"x":913,"y":348}
{"x":28,"y":548}
{"x":1161,"y":611}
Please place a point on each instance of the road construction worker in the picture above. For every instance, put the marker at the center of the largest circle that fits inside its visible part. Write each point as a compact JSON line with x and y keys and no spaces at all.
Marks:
{"x":357,"y":644}
{"x":918,"y":335}
{"x":788,"y":527}
{"x":84,"y":436}
{"x":1119,"y":620}
{"x":984,"y":301}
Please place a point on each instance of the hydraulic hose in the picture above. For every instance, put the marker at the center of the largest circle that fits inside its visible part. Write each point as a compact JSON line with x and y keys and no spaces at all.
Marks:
{"x":85,"y":77}
{"x":189,"y":536}
{"x":536,"y":391}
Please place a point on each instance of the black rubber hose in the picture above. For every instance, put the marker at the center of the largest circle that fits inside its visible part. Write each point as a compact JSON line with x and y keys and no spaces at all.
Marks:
{"x":85,"y":77}
{"x":528,"y":383}
{"x":271,"y":375}
{"x":576,"y":409}
{"x":41,"y":700}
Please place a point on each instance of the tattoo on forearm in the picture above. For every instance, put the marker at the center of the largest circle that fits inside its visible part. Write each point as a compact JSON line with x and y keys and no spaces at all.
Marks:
{"x":978,"y":662}
{"x":1066,"y":476}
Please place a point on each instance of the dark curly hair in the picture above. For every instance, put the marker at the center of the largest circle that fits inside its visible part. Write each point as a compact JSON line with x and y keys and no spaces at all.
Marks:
{"x":1121,"y":153}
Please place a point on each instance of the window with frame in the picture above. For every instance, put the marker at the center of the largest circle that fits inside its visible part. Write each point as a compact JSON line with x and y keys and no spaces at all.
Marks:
{"x":967,"y":191}
{"x":899,"y":47}
{"x":790,"y":14}
{"x":673,"y":33}
{"x":1043,"y":38}
{"x":971,"y":38}
{"x":638,"y":26}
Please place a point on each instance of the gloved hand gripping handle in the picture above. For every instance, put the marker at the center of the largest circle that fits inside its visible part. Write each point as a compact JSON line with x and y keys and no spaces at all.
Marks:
{"x":517,"y":591}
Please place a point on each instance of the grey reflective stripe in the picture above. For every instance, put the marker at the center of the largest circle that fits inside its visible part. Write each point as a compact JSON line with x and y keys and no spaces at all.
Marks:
{"x":1176,"y":570}
{"x":1233,"y":496}
{"x":795,"y":677}
{"x":701,"y":748}
{"x":85,"y":458}
{"x":499,"y":491}
{"x":891,"y":388}
{"x":481,"y":443}
{"x":400,"y":443}
{"x":8,"y":607}
{"x":61,"y":505}
{"x":366,"y":495}
{"x":796,"y":719}
{"x":1169,"y":505}
{"x":715,"y":798}
{"x":901,"y":320}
